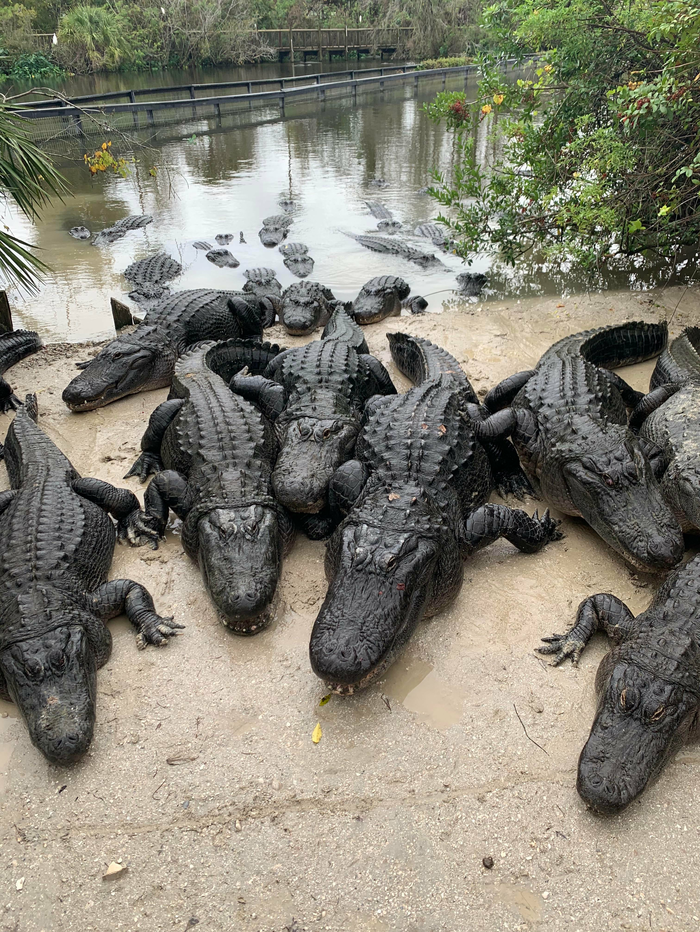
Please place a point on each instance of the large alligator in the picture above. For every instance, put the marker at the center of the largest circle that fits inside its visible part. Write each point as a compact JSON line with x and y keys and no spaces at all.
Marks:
{"x":304,"y":307}
{"x":414,"y":498}
{"x":14,"y":347}
{"x":648,"y":686}
{"x":380,"y":297}
{"x":394,"y":247}
{"x":668,"y":420}
{"x":150,"y":277}
{"x":274,"y":229}
{"x":56,"y":546}
{"x":213,"y":453}
{"x":262,"y":282}
{"x":145,"y":358}
{"x":568,"y":421}
{"x":121,"y":228}
{"x":315,"y":394}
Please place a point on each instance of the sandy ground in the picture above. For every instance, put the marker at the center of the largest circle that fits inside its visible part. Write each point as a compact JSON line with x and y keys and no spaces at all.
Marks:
{"x":203,"y":779}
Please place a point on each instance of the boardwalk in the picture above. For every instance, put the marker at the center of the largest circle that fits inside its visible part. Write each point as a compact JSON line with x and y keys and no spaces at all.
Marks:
{"x":312,"y":43}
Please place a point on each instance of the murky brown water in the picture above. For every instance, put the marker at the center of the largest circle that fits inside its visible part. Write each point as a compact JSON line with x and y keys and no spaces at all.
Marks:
{"x":226,"y":180}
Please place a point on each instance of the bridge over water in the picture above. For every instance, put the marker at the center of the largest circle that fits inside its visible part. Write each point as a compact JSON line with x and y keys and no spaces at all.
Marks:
{"x":312,"y":43}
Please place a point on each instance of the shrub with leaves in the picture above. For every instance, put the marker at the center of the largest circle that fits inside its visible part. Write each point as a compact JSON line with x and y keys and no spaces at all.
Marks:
{"x":599,"y":143}
{"x":104,"y":160}
{"x":454,"y":62}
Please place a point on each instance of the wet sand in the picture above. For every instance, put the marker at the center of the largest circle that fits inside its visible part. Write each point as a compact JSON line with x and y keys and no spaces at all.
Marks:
{"x":203,"y":778}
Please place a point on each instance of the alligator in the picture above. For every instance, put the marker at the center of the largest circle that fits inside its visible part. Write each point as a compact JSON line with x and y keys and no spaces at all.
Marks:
{"x":379,"y":298}
{"x":151,"y":276}
{"x":79,"y":233}
{"x":386,"y":224}
{"x":296,"y":259}
{"x":315,"y":395}
{"x":223,"y":258}
{"x":263,"y":283}
{"x":14,"y":346}
{"x":394,"y":247}
{"x":378,"y":183}
{"x":433,"y":232}
{"x":667,"y":420}
{"x":287,"y":204}
{"x":275,"y":229}
{"x":202,"y":245}
{"x":145,"y":358}
{"x":305,"y":306}
{"x":568,"y":421}
{"x":415,"y":504}
{"x":56,"y":547}
{"x":648,"y":686}
{"x":471,"y":284}
{"x":342,"y":326}
{"x":223,"y":239}
{"x":213,"y":453}
{"x":121,"y":228}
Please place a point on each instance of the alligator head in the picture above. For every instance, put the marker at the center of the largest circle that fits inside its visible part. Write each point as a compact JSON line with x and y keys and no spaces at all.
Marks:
{"x":311,"y":449}
{"x":132,"y":363}
{"x":303,"y":314}
{"x":382,"y":576}
{"x":681,"y":487}
{"x":240,"y":556}
{"x":641,"y":721}
{"x":373,"y":305}
{"x":616,"y":493}
{"x":52,"y":680}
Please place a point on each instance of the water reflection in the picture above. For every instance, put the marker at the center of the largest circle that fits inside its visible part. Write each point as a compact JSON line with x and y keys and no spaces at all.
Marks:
{"x":323,"y":155}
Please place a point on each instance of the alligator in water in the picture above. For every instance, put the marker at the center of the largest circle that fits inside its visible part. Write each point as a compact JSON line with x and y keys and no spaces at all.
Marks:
{"x":56,"y":547}
{"x":568,"y":421}
{"x":395,"y":247}
{"x":297,"y":259}
{"x":471,"y":284}
{"x":315,"y":394}
{"x":379,"y":298}
{"x":213,"y":453}
{"x":79,"y":233}
{"x":151,"y":277}
{"x":434,"y":233}
{"x":386,"y":224}
{"x":648,"y":686}
{"x":223,"y":239}
{"x":668,"y":419}
{"x":275,"y":229}
{"x":121,"y":228}
{"x":414,"y":499}
{"x":14,"y":347}
{"x":304,"y":307}
{"x":223,"y":258}
{"x":145,"y":358}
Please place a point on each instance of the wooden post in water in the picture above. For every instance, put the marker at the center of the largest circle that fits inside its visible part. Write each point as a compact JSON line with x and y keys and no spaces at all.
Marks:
{"x":291,"y":47}
{"x":6,"y":325}
{"x":320,"y":42}
{"x":121,"y":314}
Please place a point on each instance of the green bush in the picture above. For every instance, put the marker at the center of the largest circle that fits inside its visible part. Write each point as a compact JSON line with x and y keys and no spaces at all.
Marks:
{"x":453,"y":62}
{"x":16,"y":27}
{"x":33,"y":66}
{"x":90,"y":38}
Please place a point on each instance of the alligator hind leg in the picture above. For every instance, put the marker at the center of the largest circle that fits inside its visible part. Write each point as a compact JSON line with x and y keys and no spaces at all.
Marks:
{"x":150,"y":461}
{"x":649,"y":403}
{"x":133,"y":599}
{"x":168,"y":489}
{"x":598,"y":611}
{"x":502,"y":395}
{"x":120,"y":503}
{"x":488,"y":523}
{"x":630,"y":396}
{"x":267,"y":394}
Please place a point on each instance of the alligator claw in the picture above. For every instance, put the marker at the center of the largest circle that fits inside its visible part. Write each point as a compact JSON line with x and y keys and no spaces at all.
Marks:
{"x":139,"y":529}
{"x":563,"y":646}
{"x":156,"y":629}
{"x":146,"y":464}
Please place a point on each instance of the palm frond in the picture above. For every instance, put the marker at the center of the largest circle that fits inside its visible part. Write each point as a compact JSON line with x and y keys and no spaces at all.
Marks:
{"x":18,"y":264}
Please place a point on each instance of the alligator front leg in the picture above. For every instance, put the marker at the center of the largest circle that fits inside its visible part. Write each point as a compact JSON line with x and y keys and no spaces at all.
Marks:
{"x":488,"y":523}
{"x":120,"y":503}
{"x":269,"y":396}
{"x":149,"y":461}
{"x":8,"y":400}
{"x":379,"y":379}
{"x":502,"y":395}
{"x":508,"y":474}
{"x":6,"y":498}
{"x":126,"y":596}
{"x":346,"y":486}
{"x":649,"y":403}
{"x":168,"y":489}
{"x":598,"y":611}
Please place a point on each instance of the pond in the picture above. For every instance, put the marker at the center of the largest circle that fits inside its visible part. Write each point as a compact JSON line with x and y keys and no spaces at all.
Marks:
{"x":201,"y":180}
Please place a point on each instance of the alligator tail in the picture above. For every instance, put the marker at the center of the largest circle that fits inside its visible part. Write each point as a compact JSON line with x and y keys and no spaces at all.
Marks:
{"x":421,"y":361}
{"x":680,"y":362}
{"x":16,"y":346}
{"x":31,"y":407}
{"x":620,"y":345}
{"x":230,"y":356}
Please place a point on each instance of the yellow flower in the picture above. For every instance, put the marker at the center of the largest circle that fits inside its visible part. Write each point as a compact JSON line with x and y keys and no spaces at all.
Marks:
{"x":487,"y":108}
{"x":498,"y":98}
{"x":104,"y":146}
{"x":547,"y":68}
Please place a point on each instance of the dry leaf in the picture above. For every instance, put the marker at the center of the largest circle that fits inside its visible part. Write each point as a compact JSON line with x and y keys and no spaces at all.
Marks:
{"x":394,"y":497}
{"x":561,"y":305}
{"x":317,"y":733}
{"x":442,"y":429}
{"x":180,"y":759}
{"x":325,"y":699}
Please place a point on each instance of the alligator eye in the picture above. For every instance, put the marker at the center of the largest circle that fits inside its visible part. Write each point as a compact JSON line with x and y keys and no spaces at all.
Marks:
{"x":33,"y":668}
{"x":390,"y":561}
{"x":659,"y":714}
{"x":117,"y":355}
{"x":326,"y":433}
{"x":623,"y":698}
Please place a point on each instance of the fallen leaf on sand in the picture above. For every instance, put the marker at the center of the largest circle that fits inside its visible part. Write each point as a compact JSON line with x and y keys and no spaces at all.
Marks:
{"x":325,"y":699}
{"x":316,"y":734}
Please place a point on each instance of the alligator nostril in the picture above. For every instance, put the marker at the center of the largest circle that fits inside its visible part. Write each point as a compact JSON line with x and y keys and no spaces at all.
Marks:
{"x":595,"y":780}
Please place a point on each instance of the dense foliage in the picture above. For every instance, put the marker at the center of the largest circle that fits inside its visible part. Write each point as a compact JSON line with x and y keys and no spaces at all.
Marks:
{"x":600,"y":141}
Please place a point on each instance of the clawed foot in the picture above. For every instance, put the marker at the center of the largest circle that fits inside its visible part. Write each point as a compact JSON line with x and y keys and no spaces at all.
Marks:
{"x":515,"y":484}
{"x":139,"y":529}
{"x":548,"y":527}
{"x":10,"y":403}
{"x":146,"y":464}
{"x":156,"y":629}
{"x":563,"y":646}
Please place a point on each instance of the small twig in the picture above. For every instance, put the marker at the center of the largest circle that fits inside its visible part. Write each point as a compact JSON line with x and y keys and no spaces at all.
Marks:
{"x":525,"y":730}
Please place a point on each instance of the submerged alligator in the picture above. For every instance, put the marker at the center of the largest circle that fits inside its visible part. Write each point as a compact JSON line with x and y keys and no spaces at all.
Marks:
{"x":223,"y":258}
{"x":275,"y":229}
{"x":145,"y":358}
{"x":315,"y":394}
{"x":568,"y":421}
{"x":151,"y":277}
{"x":297,"y":259}
{"x":380,"y":297}
{"x":648,"y":686}
{"x":213,"y":453}
{"x":304,"y":307}
{"x":14,"y":347}
{"x":394,"y":247}
{"x":121,"y":228}
{"x":414,"y":499}
{"x":56,"y":547}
